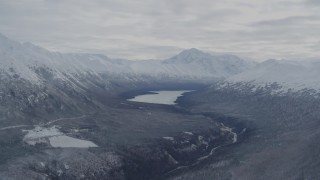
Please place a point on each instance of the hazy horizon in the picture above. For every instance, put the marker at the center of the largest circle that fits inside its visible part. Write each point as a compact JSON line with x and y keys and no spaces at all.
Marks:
{"x":147,"y":29}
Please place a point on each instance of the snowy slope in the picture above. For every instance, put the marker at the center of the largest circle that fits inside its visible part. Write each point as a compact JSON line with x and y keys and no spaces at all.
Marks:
{"x":22,"y":60}
{"x":293,"y":75}
{"x":35,"y":64}
{"x":194,"y":64}
{"x":35,"y":81}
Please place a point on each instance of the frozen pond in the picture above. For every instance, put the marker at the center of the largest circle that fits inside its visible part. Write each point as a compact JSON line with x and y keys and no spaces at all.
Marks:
{"x":66,"y":141}
{"x":55,"y":138}
{"x":160,"y":97}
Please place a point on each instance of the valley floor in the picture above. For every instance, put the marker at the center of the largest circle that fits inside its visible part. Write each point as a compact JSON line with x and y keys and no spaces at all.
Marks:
{"x":128,"y":140}
{"x":209,"y":134}
{"x":281,"y":140}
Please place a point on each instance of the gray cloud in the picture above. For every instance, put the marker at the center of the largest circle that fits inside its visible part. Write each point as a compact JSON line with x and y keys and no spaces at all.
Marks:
{"x":289,"y":21}
{"x":149,"y":29}
{"x":312,"y":2}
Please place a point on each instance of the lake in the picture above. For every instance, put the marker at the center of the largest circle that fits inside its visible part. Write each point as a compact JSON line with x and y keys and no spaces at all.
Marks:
{"x":55,"y":138}
{"x":160,"y":97}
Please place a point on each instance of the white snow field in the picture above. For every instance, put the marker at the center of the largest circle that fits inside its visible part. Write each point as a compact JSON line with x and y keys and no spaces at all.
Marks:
{"x":293,"y":75}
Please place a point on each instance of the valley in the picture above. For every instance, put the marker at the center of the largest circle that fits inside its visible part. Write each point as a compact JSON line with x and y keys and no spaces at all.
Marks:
{"x":280,"y":136}
{"x":192,"y":116}
{"x":176,"y":139}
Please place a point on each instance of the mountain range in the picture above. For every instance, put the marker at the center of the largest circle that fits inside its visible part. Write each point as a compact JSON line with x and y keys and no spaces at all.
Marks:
{"x":28,"y":61}
{"x":24,"y":58}
{"x":235,"y":122}
{"x":289,"y":75}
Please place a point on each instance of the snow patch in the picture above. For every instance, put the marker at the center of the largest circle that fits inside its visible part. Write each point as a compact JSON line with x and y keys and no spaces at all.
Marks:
{"x":188,"y":133}
{"x":168,"y":138}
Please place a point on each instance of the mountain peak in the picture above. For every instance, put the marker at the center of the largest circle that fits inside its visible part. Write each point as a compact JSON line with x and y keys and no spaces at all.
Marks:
{"x":189,"y":55}
{"x":193,"y":52}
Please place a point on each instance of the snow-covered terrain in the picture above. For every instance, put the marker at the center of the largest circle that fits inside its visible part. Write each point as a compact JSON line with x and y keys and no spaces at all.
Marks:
{"x":35,"y":64}
{"x":193,"y":64}
{"x":23,"y":59}
{"x":291,"y":76}
{"x":55,"y":138}
{"x":45,"y":92}
{"x":35,"y":80}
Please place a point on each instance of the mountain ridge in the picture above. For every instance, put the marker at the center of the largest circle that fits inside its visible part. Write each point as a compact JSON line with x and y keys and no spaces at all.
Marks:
{"x":23,"y":60}
{"x":189,"y":64}
{"x":289,"y":75}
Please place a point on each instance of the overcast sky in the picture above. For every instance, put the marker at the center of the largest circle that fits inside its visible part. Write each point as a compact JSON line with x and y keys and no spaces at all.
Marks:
{"x":145,"y":29}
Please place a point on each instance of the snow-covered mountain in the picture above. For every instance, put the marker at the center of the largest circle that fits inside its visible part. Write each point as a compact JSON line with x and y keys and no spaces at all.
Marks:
{"x":288,"y":75}
{"x":23,"y":59}
{"x":37,"y":81}
{"x":194,"y":64}
{"x":37,"y":65}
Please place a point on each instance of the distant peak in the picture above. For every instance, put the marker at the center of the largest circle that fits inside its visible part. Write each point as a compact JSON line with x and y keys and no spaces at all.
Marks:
{"x":188,"y":56}
{"x":192,"y":51}
{"x":270,"y":61}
